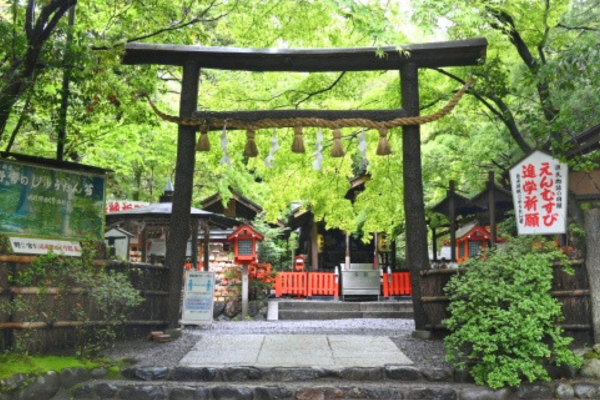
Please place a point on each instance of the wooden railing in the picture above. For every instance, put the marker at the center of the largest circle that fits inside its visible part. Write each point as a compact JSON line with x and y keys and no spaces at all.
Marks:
{"x":308,"y":284}
{"x":323,"y":284}
{"x":398,"y":284}
{"x":291,"y":283}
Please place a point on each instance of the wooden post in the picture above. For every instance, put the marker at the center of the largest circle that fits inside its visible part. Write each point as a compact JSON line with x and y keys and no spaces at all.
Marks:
{"x":145,"y":245}
{"x":244,"y":291}
{"x":393,"y":250}
{"x":492,"y":207}
{"x":375,"y":251}
{"x":347,"y":255}
{"x":206,"y":243}
{"x":414,"y":207}
{"x":195,"y":244}
{"x":179,"y":225}
{"x":314,"y":247}
{"x":452,"y":217}
{"x":434,"y":243}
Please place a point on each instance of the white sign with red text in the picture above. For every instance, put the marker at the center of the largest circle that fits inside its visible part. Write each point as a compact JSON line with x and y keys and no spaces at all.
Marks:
{"x":123,"y":205}
{"x":41,"y":246}
{"x":539,"y":188}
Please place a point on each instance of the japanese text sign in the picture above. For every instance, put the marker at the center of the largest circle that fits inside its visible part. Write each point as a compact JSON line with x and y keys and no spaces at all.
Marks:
{"x":50,"y":203}
{"x":198,"y":299}
{"x":539,"y":187}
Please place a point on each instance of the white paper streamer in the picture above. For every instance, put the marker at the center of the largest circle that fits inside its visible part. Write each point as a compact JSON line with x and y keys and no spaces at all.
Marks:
{"x":318,"y":162}
{"x":269,"y":161}
{"x":362,"y":147}
{"x":225,"y":159}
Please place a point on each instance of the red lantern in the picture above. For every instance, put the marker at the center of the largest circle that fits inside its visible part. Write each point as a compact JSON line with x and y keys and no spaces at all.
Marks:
{"x":245,"y":240}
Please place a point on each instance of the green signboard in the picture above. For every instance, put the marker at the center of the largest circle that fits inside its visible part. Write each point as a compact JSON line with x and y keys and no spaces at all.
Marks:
{"x":50,"y":203}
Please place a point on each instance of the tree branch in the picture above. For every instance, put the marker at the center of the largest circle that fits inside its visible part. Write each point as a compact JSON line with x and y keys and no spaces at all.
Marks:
{"x":29,"y":18}
{"x":502,"y":112}
{"x":577,"y":28}
{"x":19,"y":124}
{"x":328,"y":88}
{"x":177,"y":26}
{"x":508,"y":27}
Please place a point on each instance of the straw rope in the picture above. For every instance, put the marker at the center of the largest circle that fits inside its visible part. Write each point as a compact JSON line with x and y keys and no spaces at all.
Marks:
{"x":314,"y":122}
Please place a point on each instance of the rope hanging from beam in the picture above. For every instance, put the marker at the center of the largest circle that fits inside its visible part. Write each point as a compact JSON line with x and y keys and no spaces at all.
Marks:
{"x":205,"y":124}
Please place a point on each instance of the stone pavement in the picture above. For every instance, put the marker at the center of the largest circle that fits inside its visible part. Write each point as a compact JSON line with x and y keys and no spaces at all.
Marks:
{"x":326,"y":351}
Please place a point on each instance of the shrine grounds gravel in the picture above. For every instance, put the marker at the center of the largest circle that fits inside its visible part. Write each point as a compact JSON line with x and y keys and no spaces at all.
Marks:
{"x":424,"y":353}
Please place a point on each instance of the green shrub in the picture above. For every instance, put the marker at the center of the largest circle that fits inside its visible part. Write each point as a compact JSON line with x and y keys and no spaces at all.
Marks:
{"x":503,"y":320}
{"x":104,"y":301}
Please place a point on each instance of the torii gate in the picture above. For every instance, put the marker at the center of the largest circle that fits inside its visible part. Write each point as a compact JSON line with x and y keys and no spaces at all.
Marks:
{"x":407,"y":59}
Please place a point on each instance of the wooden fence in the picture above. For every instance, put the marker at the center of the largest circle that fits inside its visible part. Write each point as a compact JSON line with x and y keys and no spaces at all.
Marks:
{"x":47,"y":314}
{"x":571,"y":290}
{"x":396,"y":284}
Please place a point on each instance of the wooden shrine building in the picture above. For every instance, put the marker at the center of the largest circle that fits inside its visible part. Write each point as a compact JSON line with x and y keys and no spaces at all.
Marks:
{"x":408,"y":60}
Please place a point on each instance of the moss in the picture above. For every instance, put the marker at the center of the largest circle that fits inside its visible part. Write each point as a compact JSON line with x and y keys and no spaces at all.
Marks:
{"x":12,"y":364}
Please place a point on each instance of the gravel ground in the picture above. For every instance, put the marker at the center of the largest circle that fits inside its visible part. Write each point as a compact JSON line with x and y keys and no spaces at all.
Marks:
{"x":424,"y":353}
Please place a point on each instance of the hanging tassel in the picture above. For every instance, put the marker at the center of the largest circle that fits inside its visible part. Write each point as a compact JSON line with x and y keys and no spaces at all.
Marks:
{"x":383,"y":147}
{"x":337,"y":150}
{"x":250,"y":150}
{"x":298,"y":143}
{"x":203,"y":142}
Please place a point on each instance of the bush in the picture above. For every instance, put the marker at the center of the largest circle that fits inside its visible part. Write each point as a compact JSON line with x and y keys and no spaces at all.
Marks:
{"x":503,"y":320}
{"x":101,"y":304}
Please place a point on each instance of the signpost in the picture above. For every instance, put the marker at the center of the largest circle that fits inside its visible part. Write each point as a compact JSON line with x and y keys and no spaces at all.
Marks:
{"x":539,"y":188}
{"x":198,"y":298}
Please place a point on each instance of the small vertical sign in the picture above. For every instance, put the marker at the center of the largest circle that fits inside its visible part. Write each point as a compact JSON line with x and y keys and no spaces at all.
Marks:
{"x":198,"y":298}
{"x":539,"y":187}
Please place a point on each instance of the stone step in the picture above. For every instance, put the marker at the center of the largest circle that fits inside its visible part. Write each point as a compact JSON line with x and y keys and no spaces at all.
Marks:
{"x":320,"y":310}
{"x":291,"y":374}
{"x":319,"y":389}
{"x":325,"y":315}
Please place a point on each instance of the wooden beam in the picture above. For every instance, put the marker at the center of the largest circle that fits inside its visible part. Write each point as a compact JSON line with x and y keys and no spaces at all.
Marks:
{"x":426,"y":55}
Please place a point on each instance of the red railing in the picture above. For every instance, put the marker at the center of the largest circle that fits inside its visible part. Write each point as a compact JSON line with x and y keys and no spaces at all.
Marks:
{"x":398,"y":285}
{"x":291,"y":283}
{"x":307,"y":284}
{"x":323,"y":284}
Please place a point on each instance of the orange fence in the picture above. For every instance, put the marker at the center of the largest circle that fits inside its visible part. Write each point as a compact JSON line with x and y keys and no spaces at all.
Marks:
{"x":323,"y":284}
{"x":291,"y":283}
{"x":307,"y":284}
{"x":398,"y":285}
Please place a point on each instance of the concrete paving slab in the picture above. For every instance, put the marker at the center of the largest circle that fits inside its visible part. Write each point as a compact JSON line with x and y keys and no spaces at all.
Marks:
{"x":294,"y":351}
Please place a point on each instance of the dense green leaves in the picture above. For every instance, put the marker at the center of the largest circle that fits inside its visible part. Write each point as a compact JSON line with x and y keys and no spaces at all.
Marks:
{"x":503,"y":320}
{"x":535,"y":91}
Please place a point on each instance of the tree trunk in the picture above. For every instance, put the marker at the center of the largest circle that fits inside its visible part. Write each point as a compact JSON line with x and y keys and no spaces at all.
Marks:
{"x":592,"y":264}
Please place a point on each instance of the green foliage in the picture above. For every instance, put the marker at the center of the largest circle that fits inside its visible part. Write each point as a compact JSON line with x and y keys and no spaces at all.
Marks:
{"x":99,"y":295}
{"x":273,"y":249}
{"x":12,"y":364}
{"x":503,"y":320}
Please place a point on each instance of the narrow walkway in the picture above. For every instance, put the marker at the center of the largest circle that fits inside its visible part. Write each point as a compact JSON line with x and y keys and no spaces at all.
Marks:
{"x":294,"y":351}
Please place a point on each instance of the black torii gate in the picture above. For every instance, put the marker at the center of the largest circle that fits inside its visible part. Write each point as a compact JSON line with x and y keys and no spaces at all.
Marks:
{"x":406,"y":59}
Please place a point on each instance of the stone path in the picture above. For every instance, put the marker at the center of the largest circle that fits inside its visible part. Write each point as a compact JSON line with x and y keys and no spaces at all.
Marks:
{"x":294,"y":351}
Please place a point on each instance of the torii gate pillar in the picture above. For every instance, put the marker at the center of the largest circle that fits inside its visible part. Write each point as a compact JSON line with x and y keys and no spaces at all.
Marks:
{"x":179,"y":225}
{"x":417,"y":256}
